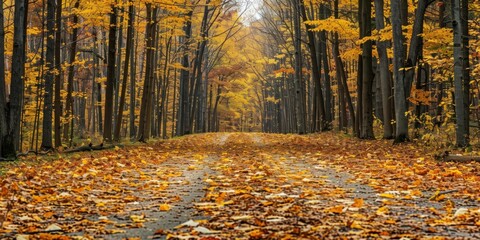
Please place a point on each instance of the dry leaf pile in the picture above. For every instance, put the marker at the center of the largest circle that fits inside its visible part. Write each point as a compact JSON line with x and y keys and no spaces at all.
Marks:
{"x":247,"y":186}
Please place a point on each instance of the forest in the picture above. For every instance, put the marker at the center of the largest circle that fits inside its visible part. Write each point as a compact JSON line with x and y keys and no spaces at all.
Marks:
{"x":239,"y":119}
{"x":82,"y":72}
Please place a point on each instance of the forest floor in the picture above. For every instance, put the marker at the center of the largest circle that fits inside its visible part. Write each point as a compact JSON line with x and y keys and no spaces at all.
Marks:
{"x":243,"y":186}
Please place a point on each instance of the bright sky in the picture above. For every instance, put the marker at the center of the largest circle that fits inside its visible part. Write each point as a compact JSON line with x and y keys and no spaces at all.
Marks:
{"x":252,"y":9}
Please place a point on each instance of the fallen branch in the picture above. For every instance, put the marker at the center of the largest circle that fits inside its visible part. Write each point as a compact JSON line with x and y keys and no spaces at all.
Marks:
{"x":447,"y":192}
{"x":90,"y":147}
{"x":446,"y":157}
{"x":24,"y":154}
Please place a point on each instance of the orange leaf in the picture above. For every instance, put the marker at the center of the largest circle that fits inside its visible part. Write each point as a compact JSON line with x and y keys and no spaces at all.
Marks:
{"x":165,"y":207}
{"x":358,"y":203}
{"x":337,"y":209}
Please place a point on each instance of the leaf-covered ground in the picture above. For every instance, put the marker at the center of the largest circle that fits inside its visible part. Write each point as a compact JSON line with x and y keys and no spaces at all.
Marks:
{"x":243,"y":186}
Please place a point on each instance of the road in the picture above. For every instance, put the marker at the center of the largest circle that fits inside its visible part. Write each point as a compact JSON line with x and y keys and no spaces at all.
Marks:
{"x":260,"y":186}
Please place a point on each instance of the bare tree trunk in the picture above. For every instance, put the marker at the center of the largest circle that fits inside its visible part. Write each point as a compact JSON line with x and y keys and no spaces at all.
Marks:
{"x":128,"y":50}
{"x":401,"y":133}
{"x":3,"y":90}
{"x":112,"y":50}
{"x":367,"y":73}
{"x":183,"y":119}
{"x":299,"y":97}
{"x":133,"y":80}
{"x":319,"y":120}
{"x":416,"y":44}
{"x":458,"y":54}
{"x":326,"y":69}
{"x":70,"y":78}
{"x":11,"y":140}
{"x":48,"y":94}
{"x":146,"y":106}
{"x":118,"y":67}
{"x":385,"y":76}
{"x":58,"y":76}
{"x":466,"y":65}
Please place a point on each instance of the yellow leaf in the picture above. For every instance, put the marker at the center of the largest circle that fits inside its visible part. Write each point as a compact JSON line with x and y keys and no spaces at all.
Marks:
{"x":165,"y":207}
{"x":137,"y":218}
{"x":355,"y":225}
{"x":437,"y":196}
{"x":382,"y":211}
{"x":387,"y":195}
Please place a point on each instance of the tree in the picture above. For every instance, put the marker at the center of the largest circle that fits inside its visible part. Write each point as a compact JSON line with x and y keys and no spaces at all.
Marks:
{"x":385,"y":76}
{"x":128,"y":51}
{"x":367,"y":72}
{"x":3,"y":99}
{"x":11,"y":138}
{"x":401,"y":133}
{"x":319,"y":106}
{"x":298,"y":57}
{"x":148,"y":86}
{"x":58,"y":75}
{"x":183,"y":118}
{"x":461,"y":72}
{"x":112,"y":50}
{"x":50,"y":65}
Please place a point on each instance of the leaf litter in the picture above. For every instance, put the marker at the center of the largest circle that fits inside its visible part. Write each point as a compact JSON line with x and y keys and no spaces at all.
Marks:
{"x":245,"y":186}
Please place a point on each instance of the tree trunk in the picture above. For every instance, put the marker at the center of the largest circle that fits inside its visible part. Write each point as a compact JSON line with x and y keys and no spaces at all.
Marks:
{"x":11,"y":140}
{"x":128,"y":50}
{"x":326,"y":71}
{"x":466,"y":65}
{"x":70,"y":78}
{"x":183,"y":118}
{"x":133,"y":80}
{"x":299,"y":96}
{"x":3,"y":89}
{"x":58,"y":76}
{"x":118,"y":67}
{"x":50,"y":65}
{"x":147,"y":98}
{"x":401,"y":133}
{"x":385,"y":77}
{"x":319,"y":120}
{"x":112,"y":50}
{"x":367,"y":73}
{"x":459,"y":71}
{"x":416,"y":44}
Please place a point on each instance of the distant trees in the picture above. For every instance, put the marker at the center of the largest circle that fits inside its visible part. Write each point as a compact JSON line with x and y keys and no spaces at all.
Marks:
{"x":401,"y":85}
{"x":77,"y":70}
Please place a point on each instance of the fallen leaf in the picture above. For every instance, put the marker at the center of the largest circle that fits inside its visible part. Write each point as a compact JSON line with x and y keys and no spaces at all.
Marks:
{"x":358,"y":203}
{"x":189,"y":223}
{"x":460,"y":212}
{"x":387,"y":195}
{"x":382,"y":211}
{"x":336,"y":209}
{"x":53,"y":227}
{"x":243,"y":217}
{"x":165,"y":207}
{"x":204,"y":230}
